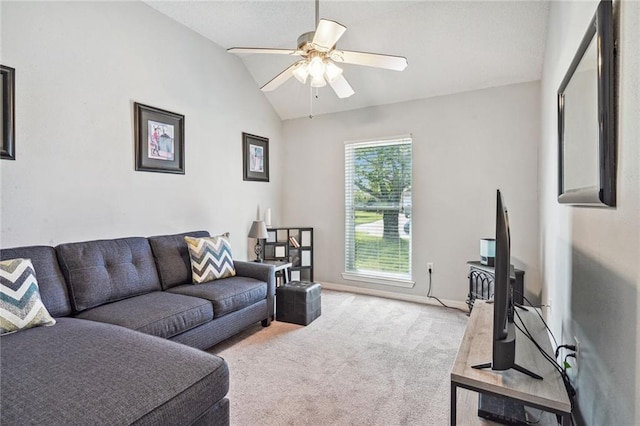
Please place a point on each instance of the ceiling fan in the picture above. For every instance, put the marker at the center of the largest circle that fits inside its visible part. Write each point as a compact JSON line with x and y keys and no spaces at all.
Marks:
{"x":319,"y":56}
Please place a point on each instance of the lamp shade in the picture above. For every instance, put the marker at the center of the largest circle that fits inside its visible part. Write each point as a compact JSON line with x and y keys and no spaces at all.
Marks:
{"x":318,"y":82}
{"x":301,"y":72}
{"x":331,"y":70}
{"x":316,"y":67}
{"x":258,"y":230}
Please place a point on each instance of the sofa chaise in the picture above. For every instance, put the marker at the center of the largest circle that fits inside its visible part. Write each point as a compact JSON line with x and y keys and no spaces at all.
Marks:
{"x":129,"y":326}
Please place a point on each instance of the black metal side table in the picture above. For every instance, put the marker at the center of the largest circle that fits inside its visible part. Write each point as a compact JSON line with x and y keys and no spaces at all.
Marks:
{"x":283,"y":271}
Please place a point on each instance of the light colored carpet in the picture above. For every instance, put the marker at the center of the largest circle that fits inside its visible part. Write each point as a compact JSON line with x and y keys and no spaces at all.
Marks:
{"x":364,"y":361}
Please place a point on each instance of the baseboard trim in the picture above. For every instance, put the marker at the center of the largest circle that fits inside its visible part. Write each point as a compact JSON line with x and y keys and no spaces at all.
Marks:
{"x":398,"y":296}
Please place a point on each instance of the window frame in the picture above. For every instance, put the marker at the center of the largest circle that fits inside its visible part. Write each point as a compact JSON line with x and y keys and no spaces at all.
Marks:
{"x":375,"y":277}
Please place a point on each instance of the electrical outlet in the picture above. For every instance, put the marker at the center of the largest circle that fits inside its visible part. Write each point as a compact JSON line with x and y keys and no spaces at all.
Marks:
{"x":430,"y":267}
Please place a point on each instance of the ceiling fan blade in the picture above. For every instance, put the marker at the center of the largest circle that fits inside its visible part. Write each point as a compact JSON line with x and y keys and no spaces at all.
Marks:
{"x":342,"y":87}
{"x":327,"y":35}
{"x":280,"y":78}
{"x":263,"y":50}
{"x":390,"y":62}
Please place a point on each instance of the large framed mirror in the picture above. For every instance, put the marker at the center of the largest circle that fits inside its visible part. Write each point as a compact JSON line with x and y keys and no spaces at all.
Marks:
{"x":587,"y":117}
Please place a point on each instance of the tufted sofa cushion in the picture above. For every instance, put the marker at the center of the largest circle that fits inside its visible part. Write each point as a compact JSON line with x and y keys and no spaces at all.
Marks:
{"x":172,"y":258}
{"x":103,"y":271}
{"x":53,"y":289}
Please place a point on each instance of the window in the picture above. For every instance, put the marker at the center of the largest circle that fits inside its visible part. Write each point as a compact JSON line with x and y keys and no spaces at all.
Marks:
{"x":378,"y":211}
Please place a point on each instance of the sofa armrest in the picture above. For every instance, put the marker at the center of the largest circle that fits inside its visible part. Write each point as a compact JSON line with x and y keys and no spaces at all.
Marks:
{"x":258,"y":271}
{"x":262,"y":272}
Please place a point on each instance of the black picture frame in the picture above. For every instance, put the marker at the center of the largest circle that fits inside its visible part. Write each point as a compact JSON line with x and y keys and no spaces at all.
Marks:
{"x":159,"y":140}
{"x":8,"y":87}
{"x":586,"y":123}
{"x":255,"y":158}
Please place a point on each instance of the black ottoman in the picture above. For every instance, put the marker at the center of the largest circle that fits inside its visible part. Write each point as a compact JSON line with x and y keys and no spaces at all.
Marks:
{"x":298,"y":302}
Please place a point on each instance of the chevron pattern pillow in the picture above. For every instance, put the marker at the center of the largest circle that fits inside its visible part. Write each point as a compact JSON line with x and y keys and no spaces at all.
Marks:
{"x":211,"y":258}
{"x":20,"y":303}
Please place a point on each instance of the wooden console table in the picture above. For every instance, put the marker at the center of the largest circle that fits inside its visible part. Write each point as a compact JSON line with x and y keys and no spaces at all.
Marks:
{"x":548,"y":394}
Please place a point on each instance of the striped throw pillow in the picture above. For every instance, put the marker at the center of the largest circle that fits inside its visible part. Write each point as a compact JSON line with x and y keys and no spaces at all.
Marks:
{"x":20,"y":303}
{"x":211,"y":258}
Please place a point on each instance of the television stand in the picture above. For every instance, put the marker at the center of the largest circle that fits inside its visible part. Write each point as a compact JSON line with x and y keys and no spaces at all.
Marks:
{"x":467,"y":382}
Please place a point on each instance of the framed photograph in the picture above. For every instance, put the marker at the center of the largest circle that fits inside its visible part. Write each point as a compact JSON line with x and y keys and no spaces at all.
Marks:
{"x":159,"y":140}
{"x":255,"y":157}
{"x":7,"y":109}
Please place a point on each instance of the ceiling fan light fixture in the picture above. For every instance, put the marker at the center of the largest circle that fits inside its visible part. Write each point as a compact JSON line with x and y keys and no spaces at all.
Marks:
{"x":331,"y":70}
{"x":316,"y":67}
{"x":318,"y":81}
{"x":301,"y":72}
{"x":319,"y":57}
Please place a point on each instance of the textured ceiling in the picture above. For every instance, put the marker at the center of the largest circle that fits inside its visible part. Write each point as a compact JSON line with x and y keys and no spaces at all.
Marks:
{"x":451,"y":46}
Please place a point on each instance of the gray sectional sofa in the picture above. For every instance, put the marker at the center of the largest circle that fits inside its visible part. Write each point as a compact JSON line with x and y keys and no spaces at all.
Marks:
{"x":129,"y":326}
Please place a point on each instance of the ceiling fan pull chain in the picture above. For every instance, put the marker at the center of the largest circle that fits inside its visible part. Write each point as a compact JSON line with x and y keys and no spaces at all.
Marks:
{"x":310,"y":102}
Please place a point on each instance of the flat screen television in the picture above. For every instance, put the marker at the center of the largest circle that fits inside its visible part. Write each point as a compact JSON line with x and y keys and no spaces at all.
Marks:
{"x":504,"y":330}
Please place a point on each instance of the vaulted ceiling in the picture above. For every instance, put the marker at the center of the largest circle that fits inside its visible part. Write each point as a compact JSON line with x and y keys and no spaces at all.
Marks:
{"x":451,"y":46}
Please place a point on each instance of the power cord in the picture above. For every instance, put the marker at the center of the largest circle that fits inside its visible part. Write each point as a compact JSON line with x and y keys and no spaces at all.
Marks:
{"x":558,"y":347}
{"x":569,"y":347}
{"x":564,"y":364}
{"x":440,"y":301}
{"x":563,"y":373}
{"x":541,"y":318}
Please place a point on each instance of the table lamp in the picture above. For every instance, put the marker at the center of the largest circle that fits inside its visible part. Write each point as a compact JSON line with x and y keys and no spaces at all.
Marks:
{"x":259,"y":232}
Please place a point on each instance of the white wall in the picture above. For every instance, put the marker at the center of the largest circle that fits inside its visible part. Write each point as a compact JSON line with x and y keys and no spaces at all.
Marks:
{"x":590,"y":257}
{"x":79,"y":68}
{"x":465,"y":146}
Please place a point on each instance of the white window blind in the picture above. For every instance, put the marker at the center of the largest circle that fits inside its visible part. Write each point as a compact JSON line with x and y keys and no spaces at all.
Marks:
{"x":378,"y":208}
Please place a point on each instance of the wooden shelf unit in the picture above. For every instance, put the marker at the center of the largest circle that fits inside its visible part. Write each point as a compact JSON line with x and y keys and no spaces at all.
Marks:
{"x":292,"y":244}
